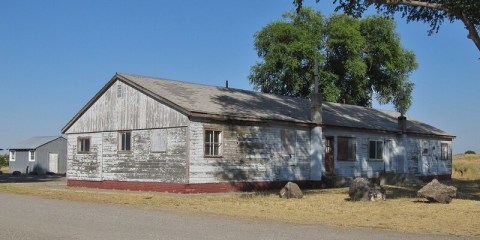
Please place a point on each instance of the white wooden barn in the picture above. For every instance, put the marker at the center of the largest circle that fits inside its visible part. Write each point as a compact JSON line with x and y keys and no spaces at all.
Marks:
{"x":145,"y":133}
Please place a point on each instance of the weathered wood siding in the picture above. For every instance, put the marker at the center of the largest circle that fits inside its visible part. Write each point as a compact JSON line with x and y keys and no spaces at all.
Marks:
{"x":424,"y":157}
{"x":129,"y":109}
{"x":250,"y":153}
{"x":105,"y":162}
{"x":363,"y":166}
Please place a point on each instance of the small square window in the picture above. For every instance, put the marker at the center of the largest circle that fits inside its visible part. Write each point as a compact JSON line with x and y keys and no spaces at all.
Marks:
{"x":425,"y":147}
{"x":213,"y":143}
{"x":83,"y":145}
{"x":125,"y":141}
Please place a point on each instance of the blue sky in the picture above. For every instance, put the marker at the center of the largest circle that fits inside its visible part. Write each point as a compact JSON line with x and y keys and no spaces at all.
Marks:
{"x":55,"y":56}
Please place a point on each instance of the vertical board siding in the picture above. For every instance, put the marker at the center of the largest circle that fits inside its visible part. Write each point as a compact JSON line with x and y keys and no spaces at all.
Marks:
{"x":418,"y":164}
{"x":250,"y":153}
{"x":429,"y":163}
{"x":133,"y":110}
{"x":105,"y":162}
{"x":363,"y":166}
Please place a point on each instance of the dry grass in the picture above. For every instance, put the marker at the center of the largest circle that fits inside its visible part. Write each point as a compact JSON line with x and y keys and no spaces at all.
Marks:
{"x":466,"y":166}
{"x":403,"y":212}
{"x":4,"y":169}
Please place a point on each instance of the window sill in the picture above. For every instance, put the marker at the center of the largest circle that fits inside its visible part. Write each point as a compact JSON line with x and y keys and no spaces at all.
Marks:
{"x":83,"y":152}
{"x":375,"y":160}
{"x":212,"y":156}
{"x":125,"y":152}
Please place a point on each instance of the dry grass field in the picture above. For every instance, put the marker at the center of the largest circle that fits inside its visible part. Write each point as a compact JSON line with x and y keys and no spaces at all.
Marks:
{"x":402,"y":211}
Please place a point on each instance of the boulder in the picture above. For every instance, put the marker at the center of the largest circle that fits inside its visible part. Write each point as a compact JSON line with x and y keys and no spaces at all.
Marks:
{"x":437,"y":192}
{"x":363,"y":190}
{"x":291,"y":190}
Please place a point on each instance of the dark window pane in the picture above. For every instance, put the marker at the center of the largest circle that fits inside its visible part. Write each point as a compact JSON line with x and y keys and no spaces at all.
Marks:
{"x":372,"y":150}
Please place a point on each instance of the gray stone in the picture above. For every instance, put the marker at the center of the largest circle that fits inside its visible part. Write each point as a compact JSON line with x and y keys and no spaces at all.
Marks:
{"x":291,"y":190}
{"x":363,"y":190}
{"x":437,"y":192}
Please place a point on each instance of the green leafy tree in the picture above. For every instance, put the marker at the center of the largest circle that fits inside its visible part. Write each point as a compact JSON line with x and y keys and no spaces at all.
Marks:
{"x":3,"y":160}
{"x":433,"y":12}
{"x":359,"y":59}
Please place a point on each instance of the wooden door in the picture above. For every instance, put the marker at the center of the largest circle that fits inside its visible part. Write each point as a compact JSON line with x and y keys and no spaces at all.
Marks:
{"x":53,"y":162}
{"x":329,"y":150}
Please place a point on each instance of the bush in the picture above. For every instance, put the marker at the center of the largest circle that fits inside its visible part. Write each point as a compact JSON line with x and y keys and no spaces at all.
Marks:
{"x":3,"y":160}
{"x":16,"y":173}
{"x":470,"y":152}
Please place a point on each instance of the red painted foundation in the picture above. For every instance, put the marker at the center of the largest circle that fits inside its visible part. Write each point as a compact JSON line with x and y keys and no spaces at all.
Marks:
{"x":207,"y":187}
{"x":187,"y":188}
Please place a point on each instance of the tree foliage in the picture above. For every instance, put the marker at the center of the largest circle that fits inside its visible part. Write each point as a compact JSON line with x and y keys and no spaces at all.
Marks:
{"x":3,"y":160}
{"x":359,"y":58}
{"x":433,"y":12}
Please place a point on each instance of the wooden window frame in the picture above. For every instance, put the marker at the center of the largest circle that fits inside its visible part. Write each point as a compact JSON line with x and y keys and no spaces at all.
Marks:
{"x":375,"y":158}
{"x":448,"y":155}
{"x":125,"y":147}
{"x":31,"y":156}
{"x":81,"y":143}
{"x":350,"y":146}
{"x":212,"y":144}
{"x":160,"y":134}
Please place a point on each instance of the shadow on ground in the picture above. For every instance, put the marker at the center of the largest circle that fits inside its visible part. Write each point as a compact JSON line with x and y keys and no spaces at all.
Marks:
{"x":466,"y":189}
{"x":8,"y":178}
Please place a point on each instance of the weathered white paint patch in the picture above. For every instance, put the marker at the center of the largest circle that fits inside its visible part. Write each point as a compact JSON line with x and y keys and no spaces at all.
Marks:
{"x":105,"y":162}
{"x":250,"y":153}
{"x":131,"y":110}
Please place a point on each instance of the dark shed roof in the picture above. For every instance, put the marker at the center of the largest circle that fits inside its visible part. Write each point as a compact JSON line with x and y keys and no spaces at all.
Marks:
{"x":198,"y":100}
{"x":34,"y":143}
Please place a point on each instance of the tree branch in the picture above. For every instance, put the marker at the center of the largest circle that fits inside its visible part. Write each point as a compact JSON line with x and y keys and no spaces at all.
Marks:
{"x":437,"y":6}
{"x":472,"y":31}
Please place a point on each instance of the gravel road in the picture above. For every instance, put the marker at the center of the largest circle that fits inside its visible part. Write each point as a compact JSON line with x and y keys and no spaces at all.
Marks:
{"x":28,"y":217}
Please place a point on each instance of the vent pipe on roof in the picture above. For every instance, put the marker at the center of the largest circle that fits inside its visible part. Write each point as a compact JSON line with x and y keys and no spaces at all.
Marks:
{"x":316,"y":101}
{"x":226,"y":83}
{"x":402,"y":120}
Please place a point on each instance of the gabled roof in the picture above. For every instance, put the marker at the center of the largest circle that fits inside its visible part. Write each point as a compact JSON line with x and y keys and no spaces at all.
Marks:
{"x":198,"y":100}
{"x":34,"y":143}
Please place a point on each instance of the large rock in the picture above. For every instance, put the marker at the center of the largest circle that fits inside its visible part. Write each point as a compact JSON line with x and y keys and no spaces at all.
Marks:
{"x":291,"y":190}
{"x":437,"y":192}
{"x":363,"y":190}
